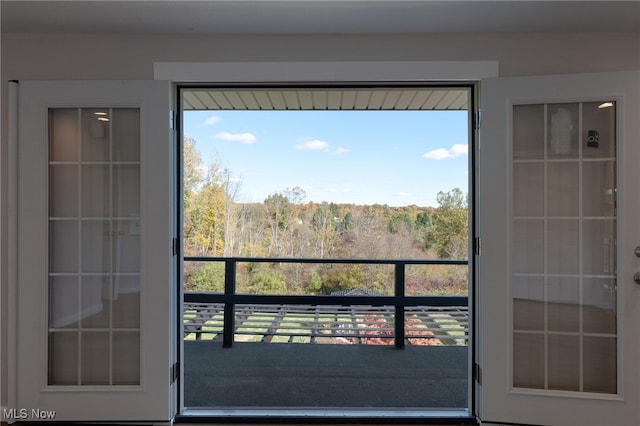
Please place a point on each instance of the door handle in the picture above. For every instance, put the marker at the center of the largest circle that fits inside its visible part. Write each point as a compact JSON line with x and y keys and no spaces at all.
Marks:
{"x":636,"y":276}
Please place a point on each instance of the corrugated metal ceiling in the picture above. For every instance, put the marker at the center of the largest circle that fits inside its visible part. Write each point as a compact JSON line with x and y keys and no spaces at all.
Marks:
{"x":327,"y":99}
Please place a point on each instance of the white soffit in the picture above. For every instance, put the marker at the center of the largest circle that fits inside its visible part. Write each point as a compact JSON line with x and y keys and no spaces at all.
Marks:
{"x":394,"y":98}
{"x":401,"y":85}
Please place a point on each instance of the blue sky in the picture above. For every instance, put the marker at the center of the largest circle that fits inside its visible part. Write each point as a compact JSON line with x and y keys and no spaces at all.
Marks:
{"x":397,"y":158}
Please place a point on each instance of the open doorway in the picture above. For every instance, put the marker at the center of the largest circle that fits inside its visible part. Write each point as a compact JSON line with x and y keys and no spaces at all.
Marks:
{"x":326,"y":249}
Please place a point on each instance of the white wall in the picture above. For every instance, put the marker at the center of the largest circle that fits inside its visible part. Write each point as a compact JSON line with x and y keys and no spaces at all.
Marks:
{"x":101,"y":56}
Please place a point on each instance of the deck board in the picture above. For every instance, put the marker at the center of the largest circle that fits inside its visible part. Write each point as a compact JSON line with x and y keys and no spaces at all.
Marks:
{"x":354,"y":324}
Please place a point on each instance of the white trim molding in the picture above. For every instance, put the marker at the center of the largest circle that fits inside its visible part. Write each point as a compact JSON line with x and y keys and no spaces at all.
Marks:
{"x":289,"y":72}
{"x":12,"y":250}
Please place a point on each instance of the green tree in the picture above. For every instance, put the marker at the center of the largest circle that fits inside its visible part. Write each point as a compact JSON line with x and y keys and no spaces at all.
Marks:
{"x":267,"y":279}
{"x":250,"y":220}
{"x":230,"y":186}
{"x":341,"y":277}
{"x":192,"y":166}
{"x":324,"y":227}
{"x":422,"y":229}
{"x":193,"y":177}
{"x":400,"y":221}
{"x":348,"y":223}
{"x":449,"y":230}
{"x":298,"y":235}
{"x":208,"y":192}
{"x":208,"y":277}
{"x":277,"y":208}
{"x":423,"y":220}
{"x":208,"y":219}
{"x":314,"y":285}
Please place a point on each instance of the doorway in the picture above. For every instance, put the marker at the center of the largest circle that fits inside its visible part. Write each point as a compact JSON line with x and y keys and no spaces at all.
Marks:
{"x":332,"y":288}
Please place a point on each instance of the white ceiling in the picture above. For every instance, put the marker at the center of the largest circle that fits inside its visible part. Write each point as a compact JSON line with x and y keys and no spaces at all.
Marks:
{"x":273,"y":17}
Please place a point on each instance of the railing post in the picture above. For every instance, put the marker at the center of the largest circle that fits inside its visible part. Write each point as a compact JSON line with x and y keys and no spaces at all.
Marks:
{"x":229,"y":326}
{"x":398,"y":321}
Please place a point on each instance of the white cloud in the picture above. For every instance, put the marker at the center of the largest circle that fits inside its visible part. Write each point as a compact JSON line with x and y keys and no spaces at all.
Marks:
{"x":246,"y":138}
{"x":313,"y":145}
{"x":459,"y":149}
{"x":213,"y":120}
{"x":341,"y":150}
{"x":437,"y":154}
{"x":405,"y":194}
{"x":443,"y":153}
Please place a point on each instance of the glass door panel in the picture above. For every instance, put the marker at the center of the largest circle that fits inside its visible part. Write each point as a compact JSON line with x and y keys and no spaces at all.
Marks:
{"x":94,"y":229}
{"x":563,"y":247}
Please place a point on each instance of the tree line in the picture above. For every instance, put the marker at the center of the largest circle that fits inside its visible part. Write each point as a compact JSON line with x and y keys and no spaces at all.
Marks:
{"x":286,"y":225}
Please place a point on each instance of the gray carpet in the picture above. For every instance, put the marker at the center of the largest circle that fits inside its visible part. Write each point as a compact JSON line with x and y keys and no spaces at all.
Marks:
{"x":260,"y":375}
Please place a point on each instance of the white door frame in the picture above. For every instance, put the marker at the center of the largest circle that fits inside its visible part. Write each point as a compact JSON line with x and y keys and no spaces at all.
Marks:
{"x":344,"y":73}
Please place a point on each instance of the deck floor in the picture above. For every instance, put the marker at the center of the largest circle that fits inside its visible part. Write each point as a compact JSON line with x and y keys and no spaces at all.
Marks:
{"x":262,"y":375}
{"x":326,"y":357}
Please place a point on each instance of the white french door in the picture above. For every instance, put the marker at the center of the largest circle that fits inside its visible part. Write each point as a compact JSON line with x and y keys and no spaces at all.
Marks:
{"x":558,"y":221}
{"x":95,"y":320}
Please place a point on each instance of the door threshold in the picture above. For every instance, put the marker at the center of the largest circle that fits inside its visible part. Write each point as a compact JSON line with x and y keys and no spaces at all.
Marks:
{"x":326,"y":416}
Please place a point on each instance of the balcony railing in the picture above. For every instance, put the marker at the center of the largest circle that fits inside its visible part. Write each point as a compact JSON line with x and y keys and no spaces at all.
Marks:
{"x":396,"y":318}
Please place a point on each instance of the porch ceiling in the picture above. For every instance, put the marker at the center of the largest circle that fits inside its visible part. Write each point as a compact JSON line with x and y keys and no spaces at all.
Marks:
{"x":327,"y":99}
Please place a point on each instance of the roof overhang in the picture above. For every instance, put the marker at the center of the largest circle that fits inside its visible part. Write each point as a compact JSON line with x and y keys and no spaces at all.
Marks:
{"x":379,"y":98}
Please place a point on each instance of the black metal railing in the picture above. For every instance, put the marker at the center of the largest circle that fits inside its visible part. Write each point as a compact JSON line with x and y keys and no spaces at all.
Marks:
{"x":399,"y":300}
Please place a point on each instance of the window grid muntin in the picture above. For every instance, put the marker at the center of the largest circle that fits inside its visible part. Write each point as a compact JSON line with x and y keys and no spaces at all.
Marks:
{"x":78,"y":327}
{"x":546,"y":275}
